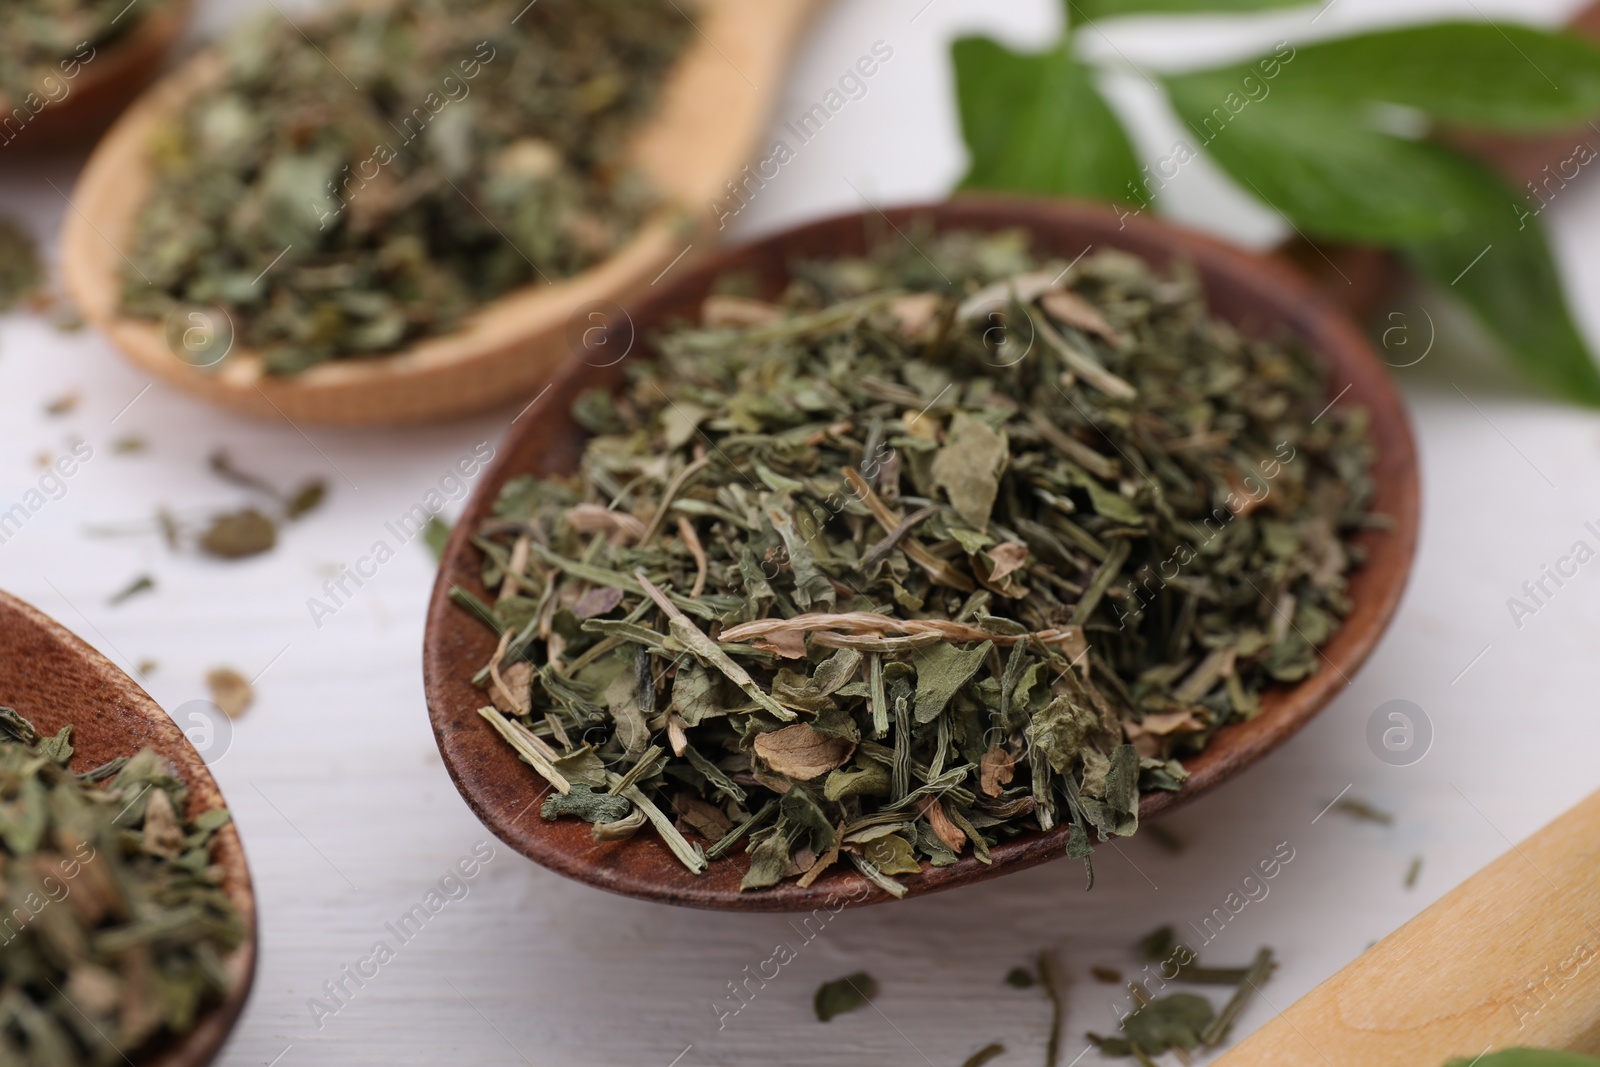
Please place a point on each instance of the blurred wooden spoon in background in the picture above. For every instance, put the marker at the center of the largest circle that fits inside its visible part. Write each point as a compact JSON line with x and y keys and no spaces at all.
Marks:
{"x":704,"y":132}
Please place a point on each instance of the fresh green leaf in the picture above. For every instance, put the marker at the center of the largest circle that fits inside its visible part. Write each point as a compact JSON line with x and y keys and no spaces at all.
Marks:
{"x":1174,"y":1021}
{"x":1021,"y":978}
{"x":1323,"y":166}
{"x":1501,"y":266}
{"x":1036,"y":123}
{"x":1093,"y":10}
{"x":1506,"y":77}
{"x":844,"y":994}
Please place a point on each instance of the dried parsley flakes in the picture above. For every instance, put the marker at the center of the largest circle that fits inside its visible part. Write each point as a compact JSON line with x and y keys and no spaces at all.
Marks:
{"x":930,"y":553}
{"x":346,"y":191}
{"x":116,"y":923}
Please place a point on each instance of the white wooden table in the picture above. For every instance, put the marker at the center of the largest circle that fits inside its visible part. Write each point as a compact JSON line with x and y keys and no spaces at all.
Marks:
{"x":349,"y":818}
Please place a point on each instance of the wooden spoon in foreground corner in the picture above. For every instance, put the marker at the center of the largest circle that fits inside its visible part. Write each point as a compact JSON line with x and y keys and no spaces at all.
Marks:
{"x":1510,"y":958}
{"x":714,"y":107}
{"x":53,"y":678}
{"x":103,"y":85}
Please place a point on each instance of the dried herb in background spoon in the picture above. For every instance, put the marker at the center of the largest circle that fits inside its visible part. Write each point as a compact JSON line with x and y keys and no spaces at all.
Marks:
{"x":115,"y":924}
{"x":369,"y":181}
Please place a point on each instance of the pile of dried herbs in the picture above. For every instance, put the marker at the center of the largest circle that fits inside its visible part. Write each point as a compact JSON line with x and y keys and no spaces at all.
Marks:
{"x":934,"y":551}
{"x":44,"y":44}
{"x":349,"y":189}
{"x":115,"y":923}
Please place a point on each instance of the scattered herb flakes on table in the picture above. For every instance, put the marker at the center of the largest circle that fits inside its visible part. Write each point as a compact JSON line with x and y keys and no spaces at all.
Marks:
{"x":476,"y":156}
{"x":44,"y":44}
{"x":19,"y":264}
{"x":116,"y":921}
{"x":853,"y":576}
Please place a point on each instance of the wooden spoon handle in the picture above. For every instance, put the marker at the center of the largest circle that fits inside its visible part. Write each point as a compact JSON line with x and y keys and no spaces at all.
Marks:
{"x":1511,"y":957}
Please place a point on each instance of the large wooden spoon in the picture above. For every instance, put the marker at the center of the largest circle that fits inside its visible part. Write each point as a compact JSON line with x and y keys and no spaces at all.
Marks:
{"x":1258,"y":294}
{"x":1509,"y":958}
{"x":714,"y":107}
{"x":54,"y":679}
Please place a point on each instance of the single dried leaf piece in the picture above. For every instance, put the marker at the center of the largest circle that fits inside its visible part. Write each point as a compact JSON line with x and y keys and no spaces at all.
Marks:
{"x":621,"y":527}
{"x":984,"y":1055}
{"x":844,"y":994}
{"x":230,"y":691}
{"x":586,"y":803}
{"x":785,"y":644}
{"x":946,"y":830}
{"x":995,"y":771}
{"x":306,"y":499}
{"x":890,"y":854}
{"x":601,"y":600}
{"x":941,"y":671}
{"x":707,"y":820}
{"x":801,"y":753}
{"x":435,"y":535}
{"x":511,"y":693}
{"x":1170,"y":1022}
{"x":162,"y":834}
{"x":1007,"y":557}
{"x":142,"y":584}
{"x":239,"y":534}
{"x":1070,"y":309}
{"x":968,"y":468}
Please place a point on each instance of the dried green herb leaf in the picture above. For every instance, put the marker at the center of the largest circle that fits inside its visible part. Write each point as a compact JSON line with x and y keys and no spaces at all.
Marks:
{"x":1171,"y":1022}
{"x":1362,"y":811}
{"x":844,"y":994}
{"x":142,"y":584}
{"x":801,"y":752}
{"x":968,"y":468}
{"x":230,"y":691}
{"x":306,"y":499}
{"x":587,"y":804}
{"x":941,"y":672}
{"x":239,"y":534}
{"x":984,"y":1055}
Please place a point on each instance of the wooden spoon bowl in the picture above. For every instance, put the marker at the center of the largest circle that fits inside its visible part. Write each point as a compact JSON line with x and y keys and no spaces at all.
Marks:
{"x":53,"y":679}
{"x":105,"y":83}
{"x":1261,"y":296}
{"x":703,"y":133}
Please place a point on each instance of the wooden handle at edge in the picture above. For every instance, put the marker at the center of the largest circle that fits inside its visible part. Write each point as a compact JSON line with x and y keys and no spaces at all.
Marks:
{"x":1509,"y":958}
